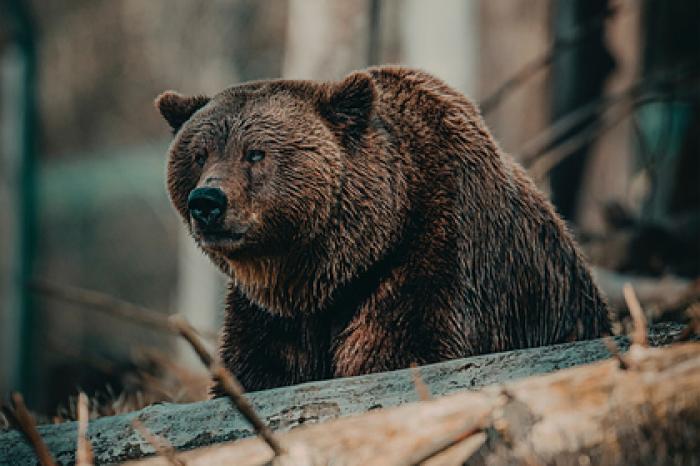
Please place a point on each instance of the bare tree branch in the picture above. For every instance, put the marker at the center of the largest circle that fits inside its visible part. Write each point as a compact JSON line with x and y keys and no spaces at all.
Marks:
{"x":112,"y":306}
{"x":20,"y":418}
{"x":231,"y":386}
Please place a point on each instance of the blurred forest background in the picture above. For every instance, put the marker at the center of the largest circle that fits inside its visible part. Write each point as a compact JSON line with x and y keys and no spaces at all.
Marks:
{"x":599,"y":99}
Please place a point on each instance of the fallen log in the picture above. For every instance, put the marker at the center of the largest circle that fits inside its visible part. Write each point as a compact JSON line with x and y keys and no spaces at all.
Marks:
{"x":187,"y":426}
{"x":597,"y":414}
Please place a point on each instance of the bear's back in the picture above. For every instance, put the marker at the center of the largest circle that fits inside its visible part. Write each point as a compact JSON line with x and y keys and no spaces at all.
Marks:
{"x":525,"y":281}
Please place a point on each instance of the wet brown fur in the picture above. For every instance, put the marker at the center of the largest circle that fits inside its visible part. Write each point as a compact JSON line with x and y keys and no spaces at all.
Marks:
{"x":385,"y":227}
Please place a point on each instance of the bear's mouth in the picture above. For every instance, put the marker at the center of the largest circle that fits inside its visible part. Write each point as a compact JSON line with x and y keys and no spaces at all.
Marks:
{"x":221,"y":240}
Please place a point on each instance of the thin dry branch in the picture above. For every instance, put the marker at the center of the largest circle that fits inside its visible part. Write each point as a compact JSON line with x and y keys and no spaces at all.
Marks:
{"x":110,"y":305}
{"x":559,"y":140}
{"x":20,"y":418}
{"x":550,"y":136}
{"x":575,"y":38}
{"x":443,"y":444}
{"x":543,"y":163}
{"x":234,"y":390}
{"x":83,"y":453}
{"x":159,"y":444}
{"x":421,"y":387}
{"x":228,"y":382}
{"x":693,"y":327}
{"x":639,"y":334}
{"x":615,"y":352}
{"x":186,"y":331}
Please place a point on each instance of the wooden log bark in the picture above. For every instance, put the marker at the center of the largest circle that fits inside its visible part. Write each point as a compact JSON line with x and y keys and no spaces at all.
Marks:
{"x":193,"y":425}
{"x":595,"y":414}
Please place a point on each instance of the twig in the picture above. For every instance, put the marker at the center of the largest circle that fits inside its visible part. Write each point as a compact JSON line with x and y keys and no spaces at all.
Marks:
{"x":693,"y":327}
{"x":577,"y":36}
{"x":20,"y":419}
{"x":443,"y":444}
{"x":230,"y":385}
{"x":543,"y":163}
{"x":110,"y":305}
{"x":562,"y":138}
{"x":615,"y":352}
{"x":185,"y":330}
{"x":418,"y":382}
{"x":235,"y":391}
{"x":639,"y":333}
{"x":159,"y":444}
{"x":553,"y":134}
{"x":83,"y":454}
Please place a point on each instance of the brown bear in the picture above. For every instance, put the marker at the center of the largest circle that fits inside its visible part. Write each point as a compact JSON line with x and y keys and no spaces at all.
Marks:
{"x":368,"y":224}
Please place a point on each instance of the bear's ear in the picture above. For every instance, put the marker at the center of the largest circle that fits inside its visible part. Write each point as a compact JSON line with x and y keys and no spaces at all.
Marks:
{"x":177,"y":108}
{"x":348,"y":105}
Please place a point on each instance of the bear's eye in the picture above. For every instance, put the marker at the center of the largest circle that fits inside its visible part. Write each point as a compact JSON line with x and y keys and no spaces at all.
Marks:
{"x":200,"y":158}
{"x":254,"y":155}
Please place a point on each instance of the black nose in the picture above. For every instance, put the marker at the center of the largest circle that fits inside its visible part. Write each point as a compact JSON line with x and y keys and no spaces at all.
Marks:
{"x":207,"y":207}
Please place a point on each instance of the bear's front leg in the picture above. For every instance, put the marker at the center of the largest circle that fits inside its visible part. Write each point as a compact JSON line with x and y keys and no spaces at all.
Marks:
{"x":363,"y":349}
{"x":393,"y":329}
{"x":267,"y":351}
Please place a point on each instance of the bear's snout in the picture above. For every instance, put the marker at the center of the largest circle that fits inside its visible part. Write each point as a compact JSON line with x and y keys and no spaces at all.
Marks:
{"x":207,"y":207}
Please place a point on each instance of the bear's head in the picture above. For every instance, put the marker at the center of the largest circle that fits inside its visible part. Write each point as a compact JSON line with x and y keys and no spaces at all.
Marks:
{"x":259,"y":173}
